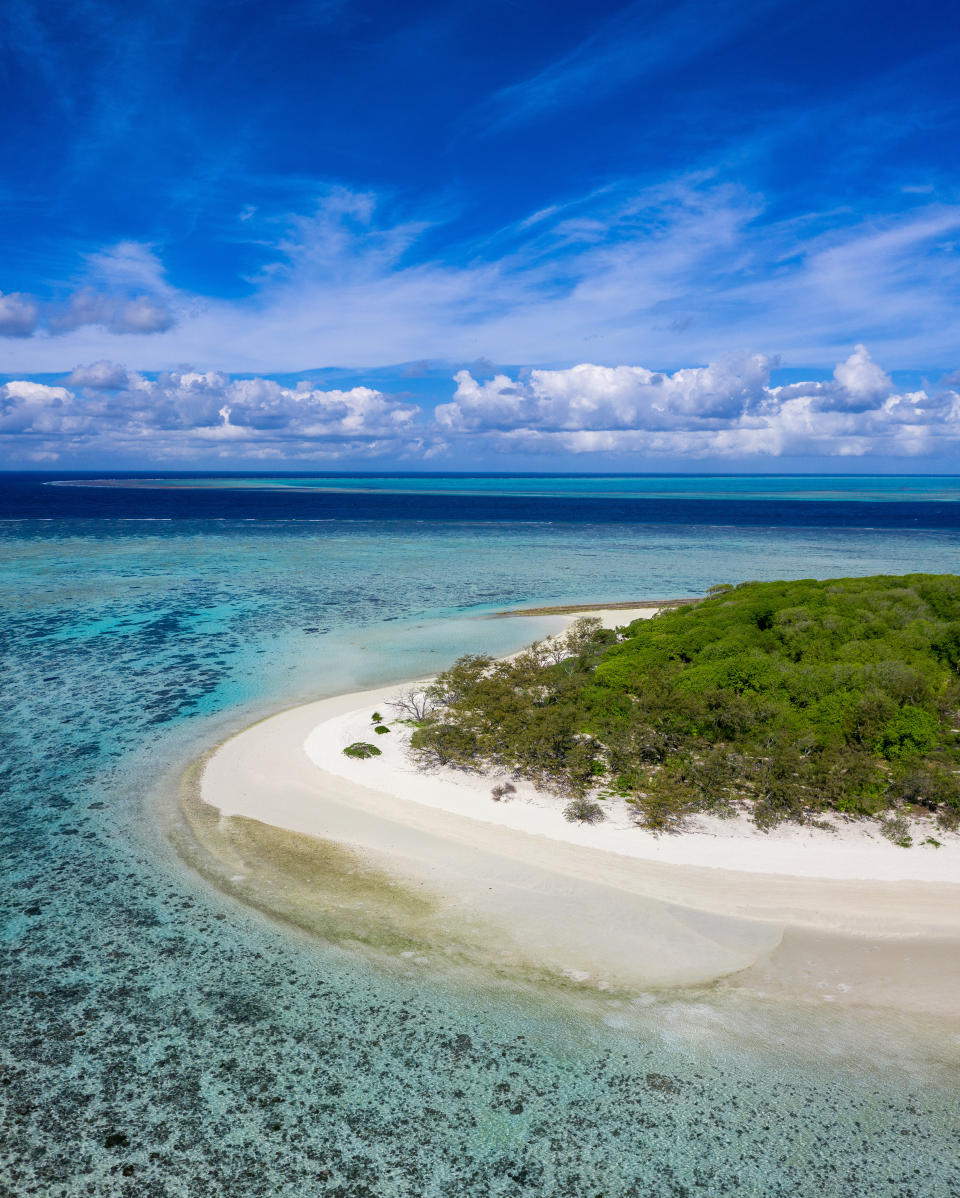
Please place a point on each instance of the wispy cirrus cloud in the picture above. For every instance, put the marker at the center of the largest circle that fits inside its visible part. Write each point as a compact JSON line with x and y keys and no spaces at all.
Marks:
{"x":637,"y":42}
{"x":674,"y":273}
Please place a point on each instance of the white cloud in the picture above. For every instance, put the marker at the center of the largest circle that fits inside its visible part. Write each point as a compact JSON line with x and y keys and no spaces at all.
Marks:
{"x":113,"y":313}
{"x":861,"y":378}
{"x":193,"y":414}
{"x":102,"y":375}
{"x":144,"y":314}
{"x":84,"y":307}
{"x":685,"y":271}
{"x":129,"y":266}
{"x":28,"y":407}
{"x":637,"y":41}
{"x":18,"y":314}
{"x":603,"y":398}
{"x":728,"y":409}
{"x":122,"y":290}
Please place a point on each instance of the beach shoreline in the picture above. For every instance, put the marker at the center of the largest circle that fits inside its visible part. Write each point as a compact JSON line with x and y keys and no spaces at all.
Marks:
{"x":878,"y":925}
{"x":839,"y":849}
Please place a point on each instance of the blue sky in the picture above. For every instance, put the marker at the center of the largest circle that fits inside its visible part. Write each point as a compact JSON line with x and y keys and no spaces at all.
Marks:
{"x":332,"y":218}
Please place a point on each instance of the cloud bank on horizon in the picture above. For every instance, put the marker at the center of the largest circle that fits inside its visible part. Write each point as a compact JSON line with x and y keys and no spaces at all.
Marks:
{"x":577,"y":189}
{"x":726,"y":411}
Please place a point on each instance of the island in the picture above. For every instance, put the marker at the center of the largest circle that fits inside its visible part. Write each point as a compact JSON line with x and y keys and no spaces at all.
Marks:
{"x":759,"y":788}
{"x":791,"y":701}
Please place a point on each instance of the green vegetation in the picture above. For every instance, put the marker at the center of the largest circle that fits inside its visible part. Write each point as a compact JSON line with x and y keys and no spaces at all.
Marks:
{"x":361,"y":749}
{"x":787,"y":699}
{"x":583,"y":811}
{"x":380,"y":729}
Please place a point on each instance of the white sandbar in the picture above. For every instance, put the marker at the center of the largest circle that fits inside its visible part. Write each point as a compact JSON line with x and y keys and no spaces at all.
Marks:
{"x":609,"y":904}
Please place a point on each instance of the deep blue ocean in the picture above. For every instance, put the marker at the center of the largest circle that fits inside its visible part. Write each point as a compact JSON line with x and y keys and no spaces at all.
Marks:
{"x":160,"y":1038}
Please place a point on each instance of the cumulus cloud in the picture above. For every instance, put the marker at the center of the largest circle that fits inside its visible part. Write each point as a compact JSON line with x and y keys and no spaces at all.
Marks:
{"x":18,"y":314}
{"x":116,"y":314}
{"x":123,"y":290}
{"x":728,"y":409}
{"x":590,"y":398}
{"x":28,"y":408}
{"x":108,"y":410}
{"x":102,"y":375}
{"x":861,"y":379}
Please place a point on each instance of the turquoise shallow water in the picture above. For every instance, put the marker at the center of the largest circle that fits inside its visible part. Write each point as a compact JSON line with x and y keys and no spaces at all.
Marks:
{"x":159,"y":1039}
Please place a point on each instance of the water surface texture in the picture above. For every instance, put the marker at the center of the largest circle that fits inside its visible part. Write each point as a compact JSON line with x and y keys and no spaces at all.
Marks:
{"x":161,"y":1039}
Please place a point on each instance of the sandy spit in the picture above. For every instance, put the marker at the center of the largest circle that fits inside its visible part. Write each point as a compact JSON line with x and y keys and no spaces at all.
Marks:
{"x":844,"y":917}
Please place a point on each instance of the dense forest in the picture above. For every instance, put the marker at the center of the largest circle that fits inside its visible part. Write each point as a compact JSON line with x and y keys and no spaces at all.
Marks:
{"x":787,"y":699}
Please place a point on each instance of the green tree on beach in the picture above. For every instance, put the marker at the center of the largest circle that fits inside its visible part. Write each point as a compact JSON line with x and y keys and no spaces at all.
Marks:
{"x":789,"y":700}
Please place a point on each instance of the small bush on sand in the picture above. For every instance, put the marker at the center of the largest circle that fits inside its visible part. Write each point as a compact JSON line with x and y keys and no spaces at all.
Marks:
{"x":660,"y":811}
{"x":583,"y":811}
{"x":376,"y":718}
{"x":380,"y":729}
{"x":361,"y":749}
{"x":502,"y":790}
{"x":896,"y":828}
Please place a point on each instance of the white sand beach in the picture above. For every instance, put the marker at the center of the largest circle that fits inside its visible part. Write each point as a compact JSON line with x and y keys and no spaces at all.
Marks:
{"x":841,"y":916}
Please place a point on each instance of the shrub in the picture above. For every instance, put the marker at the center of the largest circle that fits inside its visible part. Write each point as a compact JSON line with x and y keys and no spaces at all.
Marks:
{"x":361,"y":749}
{"x":947,"y":645}
{"x":664,"y":799}
{"x":444,"y":744}
{"x":896,"y":828}
{"x":661,"y":810}
{"x":583,"y":811}
{"x":376,"y":718}
{"x":929,"y":785}
{"x":380,"y":729}
{"x":501,"y":790}
{"x":912,"y":730}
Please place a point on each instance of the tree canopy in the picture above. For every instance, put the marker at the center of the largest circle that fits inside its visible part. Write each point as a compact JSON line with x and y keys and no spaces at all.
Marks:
{"x":790,"y":699}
